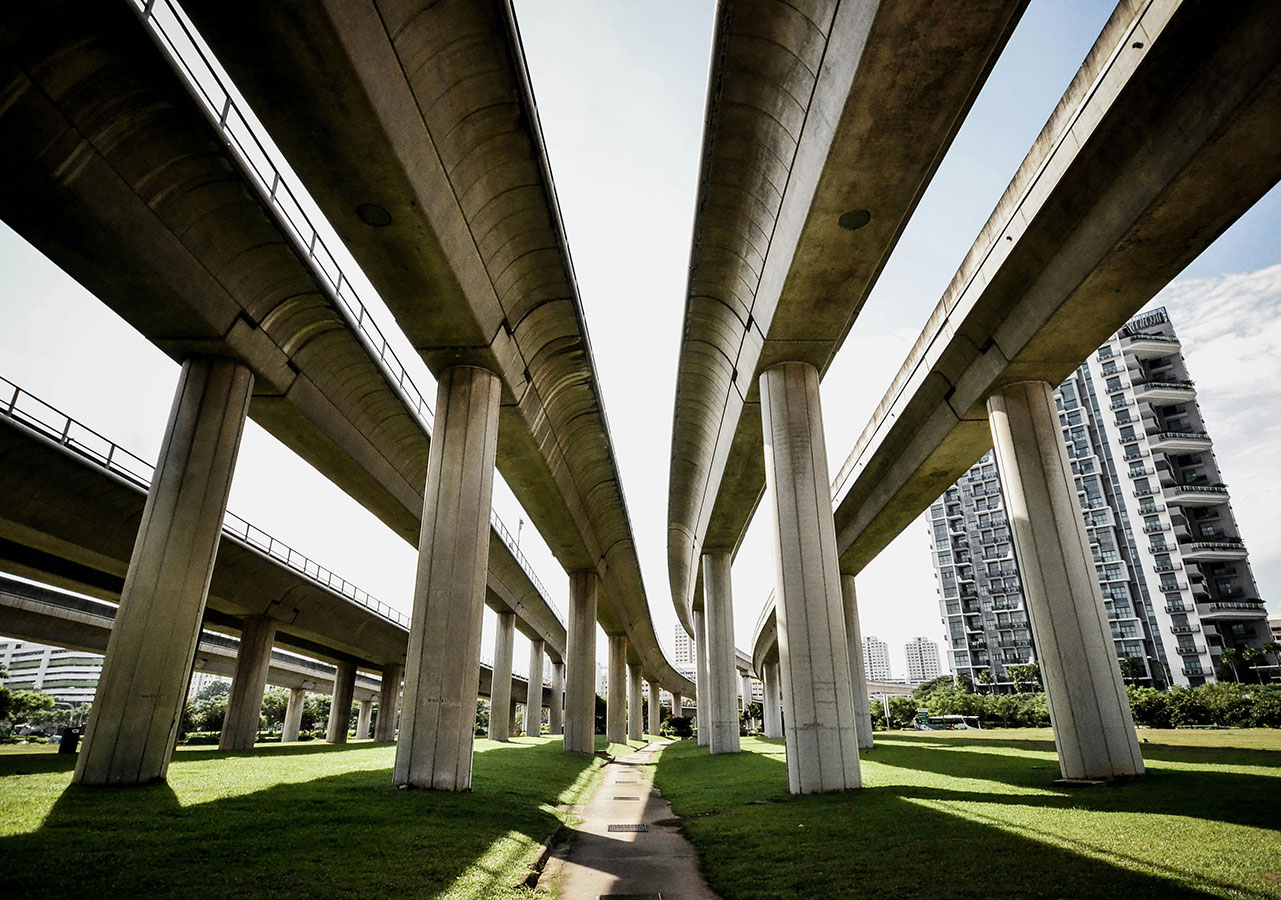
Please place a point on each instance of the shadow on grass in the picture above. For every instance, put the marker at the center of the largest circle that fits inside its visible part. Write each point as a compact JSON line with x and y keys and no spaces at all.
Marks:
{"x":341,"y":835}
{"x":903,"y":841}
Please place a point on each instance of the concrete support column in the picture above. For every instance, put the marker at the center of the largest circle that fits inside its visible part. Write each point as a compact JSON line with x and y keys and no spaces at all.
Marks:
{"x":818,"y":703}
{"x":500,"y":692}
{"x":555,"y":719}
{"x":1093,"y":729}
{"x":363,"y":719}
{"x":340,"y":708}
{"x":293,"y":715}
{"x":702,"y":697}
{"x":143,"y":685}
{"x":388,"y":701}
{"x":722,"y":676}
{"x":442,"y":663}
{"x":580,"y":692}
{"x":771,"y":707}
{"x":678,"y":705}
{"x":616,"y":702}
{"x":635,"y":702}
{"x":244,"y":704}
{"x":858,"y":672}
{"x":655,"y":708}
{"x":533,"y":724}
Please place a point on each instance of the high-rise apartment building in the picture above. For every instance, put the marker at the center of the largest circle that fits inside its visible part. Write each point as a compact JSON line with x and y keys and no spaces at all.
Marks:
{"x":1174,"y":572}
{"x":684,"y":649}
{"x":69,"y":676}
{"x":922,"y":660}
{"x":876,"y":659}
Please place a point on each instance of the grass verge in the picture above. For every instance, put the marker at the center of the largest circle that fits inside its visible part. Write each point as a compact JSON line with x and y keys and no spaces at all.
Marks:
{"x":976,"y":815}
{"x":299,"y":820}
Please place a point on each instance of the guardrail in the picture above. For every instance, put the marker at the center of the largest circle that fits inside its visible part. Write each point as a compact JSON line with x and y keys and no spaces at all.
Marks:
{"x":24,"y":407}
{"x":177,"y":39}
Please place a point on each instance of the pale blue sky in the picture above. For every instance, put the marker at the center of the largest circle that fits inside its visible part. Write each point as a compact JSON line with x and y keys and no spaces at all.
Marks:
{"x":620,"y":89}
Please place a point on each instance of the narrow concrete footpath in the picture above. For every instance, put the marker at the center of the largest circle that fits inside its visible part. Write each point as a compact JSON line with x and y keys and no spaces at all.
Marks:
{"x":642,"y":859}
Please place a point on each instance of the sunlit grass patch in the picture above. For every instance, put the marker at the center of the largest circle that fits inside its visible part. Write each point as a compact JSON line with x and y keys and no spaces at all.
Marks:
{"x":978,"y":815}
{"x":302,"y":820}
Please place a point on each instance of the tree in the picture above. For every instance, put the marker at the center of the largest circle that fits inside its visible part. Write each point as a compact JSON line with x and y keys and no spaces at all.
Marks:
{"x":482,"y":717}
{"x":1252,"y":656}
{"x":1228,"y":658}
{"x":26,"y":704}
{"x":1131,"y":668}
{"x":315,"y":711}
{"x":208,"y":714}
{"x":213,"y":690}
{"x":1022,"y":676}
{"x":682,"y":727}
{"x":984,"y":678}
{"x":274,"y":704}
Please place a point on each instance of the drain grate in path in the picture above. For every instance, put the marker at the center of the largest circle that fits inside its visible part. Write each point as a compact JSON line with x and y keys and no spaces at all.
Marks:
{"x":628,"y":828}
{"x":627,"y":798}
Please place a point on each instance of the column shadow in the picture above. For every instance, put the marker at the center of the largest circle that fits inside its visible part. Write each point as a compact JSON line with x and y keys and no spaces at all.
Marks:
{"x":344,"y":835}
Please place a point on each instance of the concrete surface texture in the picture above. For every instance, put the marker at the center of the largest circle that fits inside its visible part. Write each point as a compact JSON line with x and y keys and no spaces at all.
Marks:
{"x":1093,"y":728}
{"x":616,"y":699}
{"x":635,"y":704}
{"x":858,"y":673}
{"x":293,"y":715}
{"x":533,"y":721}
{"x":244,"y":703}
{"x":340,"y":703}
{"x":439,"y":715}
{"x":818,"y":702}
{"x":702,"y":716}
{"x":555,"y":708}
{"x":596,"y":861}
{"x":134,"y":722}
{"x":389,"y":703}
{"x":580,"y":692}
{"x":722,"y":679}
{"x":363,"y":718}
{"x":501,"y":699}
{"x":772,"y":707}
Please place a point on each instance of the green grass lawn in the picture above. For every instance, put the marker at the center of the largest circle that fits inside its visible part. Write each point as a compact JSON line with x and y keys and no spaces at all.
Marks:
{"x":969,"y":814}
{"x":299,"y":820}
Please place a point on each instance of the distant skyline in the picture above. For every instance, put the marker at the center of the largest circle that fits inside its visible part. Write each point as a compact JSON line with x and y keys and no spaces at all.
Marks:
{"x":620,"y":91}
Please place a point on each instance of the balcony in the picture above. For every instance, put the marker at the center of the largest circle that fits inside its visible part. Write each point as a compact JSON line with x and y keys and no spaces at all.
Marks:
{"x":1150,"y":346}
{"x":1167,"y":567}
{"x":1184,"y":629}
{"x":1165,"y":391}
{"x":1178,"y":608}
{"x":1170,"y":587}
{"x":1197,"y":494}
{"x":1212,"y":551}
{"x":1189,"y":649}
{"x":1156,"y":528}
{"x":1146,"y":492}
{"x":1141,"y":472}
{"x":1180,"y":441}
{"x":1151,"y":508}
{"x":1233,"y":609}
{"x":1194,"y":671}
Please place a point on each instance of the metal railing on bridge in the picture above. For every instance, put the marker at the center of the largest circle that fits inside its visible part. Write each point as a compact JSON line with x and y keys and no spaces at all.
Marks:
{"x":177,"y":38}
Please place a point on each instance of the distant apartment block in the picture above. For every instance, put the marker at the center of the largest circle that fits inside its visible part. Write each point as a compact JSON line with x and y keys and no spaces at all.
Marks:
{"x":922,"y":660}
{"x":876,"y":659}
{"x":1173,"y":569}
{"x":70,"y":676}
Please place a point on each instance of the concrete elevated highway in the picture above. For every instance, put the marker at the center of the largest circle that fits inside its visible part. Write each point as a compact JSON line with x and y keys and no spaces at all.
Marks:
{"x":153,"y":192}
{"x":41,"y":614}
{"x":73,"y":503}
{"x":823,"y":129}
{"x":1165,"y":137}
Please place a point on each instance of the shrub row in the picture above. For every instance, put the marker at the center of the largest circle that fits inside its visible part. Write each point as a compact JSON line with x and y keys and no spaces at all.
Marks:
{"x":1223,"y":705}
